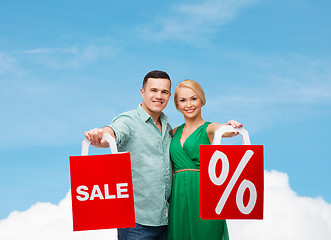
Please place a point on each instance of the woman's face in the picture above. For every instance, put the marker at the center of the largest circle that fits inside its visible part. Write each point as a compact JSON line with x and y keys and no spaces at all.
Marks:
{"x":188,"y":102}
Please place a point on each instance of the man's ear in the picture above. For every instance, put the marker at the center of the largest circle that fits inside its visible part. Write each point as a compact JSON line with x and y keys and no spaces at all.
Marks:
{"x":142,"y":91}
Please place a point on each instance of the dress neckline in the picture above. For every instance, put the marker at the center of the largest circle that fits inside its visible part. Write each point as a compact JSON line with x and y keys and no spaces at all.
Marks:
{"x":181,"y":132}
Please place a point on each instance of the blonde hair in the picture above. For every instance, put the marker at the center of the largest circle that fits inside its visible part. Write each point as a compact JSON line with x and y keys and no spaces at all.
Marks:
{"x":192,"y":85}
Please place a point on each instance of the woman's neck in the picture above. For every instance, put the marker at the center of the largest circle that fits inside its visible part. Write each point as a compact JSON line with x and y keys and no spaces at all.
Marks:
{"x":193,"y":122}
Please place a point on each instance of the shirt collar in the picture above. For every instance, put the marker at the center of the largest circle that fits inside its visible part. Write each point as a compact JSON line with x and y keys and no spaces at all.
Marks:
{"x":145,"y":116}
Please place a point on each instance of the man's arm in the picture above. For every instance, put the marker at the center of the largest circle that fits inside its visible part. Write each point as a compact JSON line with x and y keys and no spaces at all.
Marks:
{"x":95,"y":136}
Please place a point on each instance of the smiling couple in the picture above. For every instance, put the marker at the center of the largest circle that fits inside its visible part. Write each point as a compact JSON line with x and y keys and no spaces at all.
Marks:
{"x":166,"y":201}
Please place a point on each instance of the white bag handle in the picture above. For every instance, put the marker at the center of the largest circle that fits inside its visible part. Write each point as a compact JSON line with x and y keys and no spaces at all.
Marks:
{"x":112,"y":144}
{"x":228,"y":128}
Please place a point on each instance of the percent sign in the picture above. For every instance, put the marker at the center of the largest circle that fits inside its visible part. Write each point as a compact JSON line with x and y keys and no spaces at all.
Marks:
{"x":223,"y":176}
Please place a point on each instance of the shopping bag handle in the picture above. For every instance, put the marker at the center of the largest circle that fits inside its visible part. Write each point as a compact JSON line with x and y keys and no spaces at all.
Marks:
{"x":228,"y":128}
{"x":112,"y":144}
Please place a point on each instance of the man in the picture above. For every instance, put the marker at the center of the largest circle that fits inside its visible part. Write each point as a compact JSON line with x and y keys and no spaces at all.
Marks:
{"x":146,"y":134}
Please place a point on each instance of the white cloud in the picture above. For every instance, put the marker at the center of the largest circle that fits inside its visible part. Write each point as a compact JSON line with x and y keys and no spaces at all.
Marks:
{"x":52,"y":101}
{"x":213,"y":10}
{"x":287,"y":216}
{"x":9,"y":65}
{"x":47,"y":221}
{"x":270,"y":89}
{"x":194,"y":22}
{"x":278,"y":79}
{"x":71,"y":57}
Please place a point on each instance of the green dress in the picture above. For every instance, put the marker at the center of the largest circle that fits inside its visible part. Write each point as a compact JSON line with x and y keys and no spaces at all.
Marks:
{"x":184,"y":212}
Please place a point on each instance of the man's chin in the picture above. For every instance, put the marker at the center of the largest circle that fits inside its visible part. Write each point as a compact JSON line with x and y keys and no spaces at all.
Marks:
{"x":159,"y":108}
{"x":155,"y":108}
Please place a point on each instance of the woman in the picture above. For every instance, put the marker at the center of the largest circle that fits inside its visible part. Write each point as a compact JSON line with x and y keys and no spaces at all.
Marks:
{"x":184,"y":217}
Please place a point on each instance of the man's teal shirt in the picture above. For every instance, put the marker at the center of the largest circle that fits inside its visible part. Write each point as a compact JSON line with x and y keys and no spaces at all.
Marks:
{"x":137,"y":133}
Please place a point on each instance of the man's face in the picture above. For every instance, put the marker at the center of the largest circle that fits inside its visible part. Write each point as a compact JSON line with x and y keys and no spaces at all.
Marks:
{"x":155,"y":94}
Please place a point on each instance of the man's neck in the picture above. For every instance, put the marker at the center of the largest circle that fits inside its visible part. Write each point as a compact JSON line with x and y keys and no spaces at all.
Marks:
{"x":154,"y":115}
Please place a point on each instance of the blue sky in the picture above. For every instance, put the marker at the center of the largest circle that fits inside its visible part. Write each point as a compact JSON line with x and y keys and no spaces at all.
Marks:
{"x":69,"y":66}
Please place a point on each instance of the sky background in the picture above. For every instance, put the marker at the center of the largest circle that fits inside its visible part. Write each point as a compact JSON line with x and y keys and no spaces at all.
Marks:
{"x":69,"y":66}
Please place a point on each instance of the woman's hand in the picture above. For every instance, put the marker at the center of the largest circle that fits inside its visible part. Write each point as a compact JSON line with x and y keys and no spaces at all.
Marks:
{"x":234,"y":124}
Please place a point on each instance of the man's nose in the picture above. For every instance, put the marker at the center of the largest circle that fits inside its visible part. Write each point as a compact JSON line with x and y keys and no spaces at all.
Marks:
{"x":158,"y":95}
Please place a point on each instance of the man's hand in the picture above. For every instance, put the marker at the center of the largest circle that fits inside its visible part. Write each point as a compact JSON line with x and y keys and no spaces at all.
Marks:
{"x":95,"y":136}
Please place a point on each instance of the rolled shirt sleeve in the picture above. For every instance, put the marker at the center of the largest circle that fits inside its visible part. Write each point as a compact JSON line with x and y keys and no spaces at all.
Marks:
{"x":122,"y":128}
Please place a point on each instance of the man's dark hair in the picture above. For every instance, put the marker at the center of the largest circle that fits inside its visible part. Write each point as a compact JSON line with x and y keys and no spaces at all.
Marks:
{"x":155,"y":74}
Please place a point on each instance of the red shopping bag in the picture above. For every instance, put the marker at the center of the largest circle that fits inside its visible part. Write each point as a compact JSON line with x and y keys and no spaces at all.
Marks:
{"x":101,"y":189}
{"x":231,"y":179}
